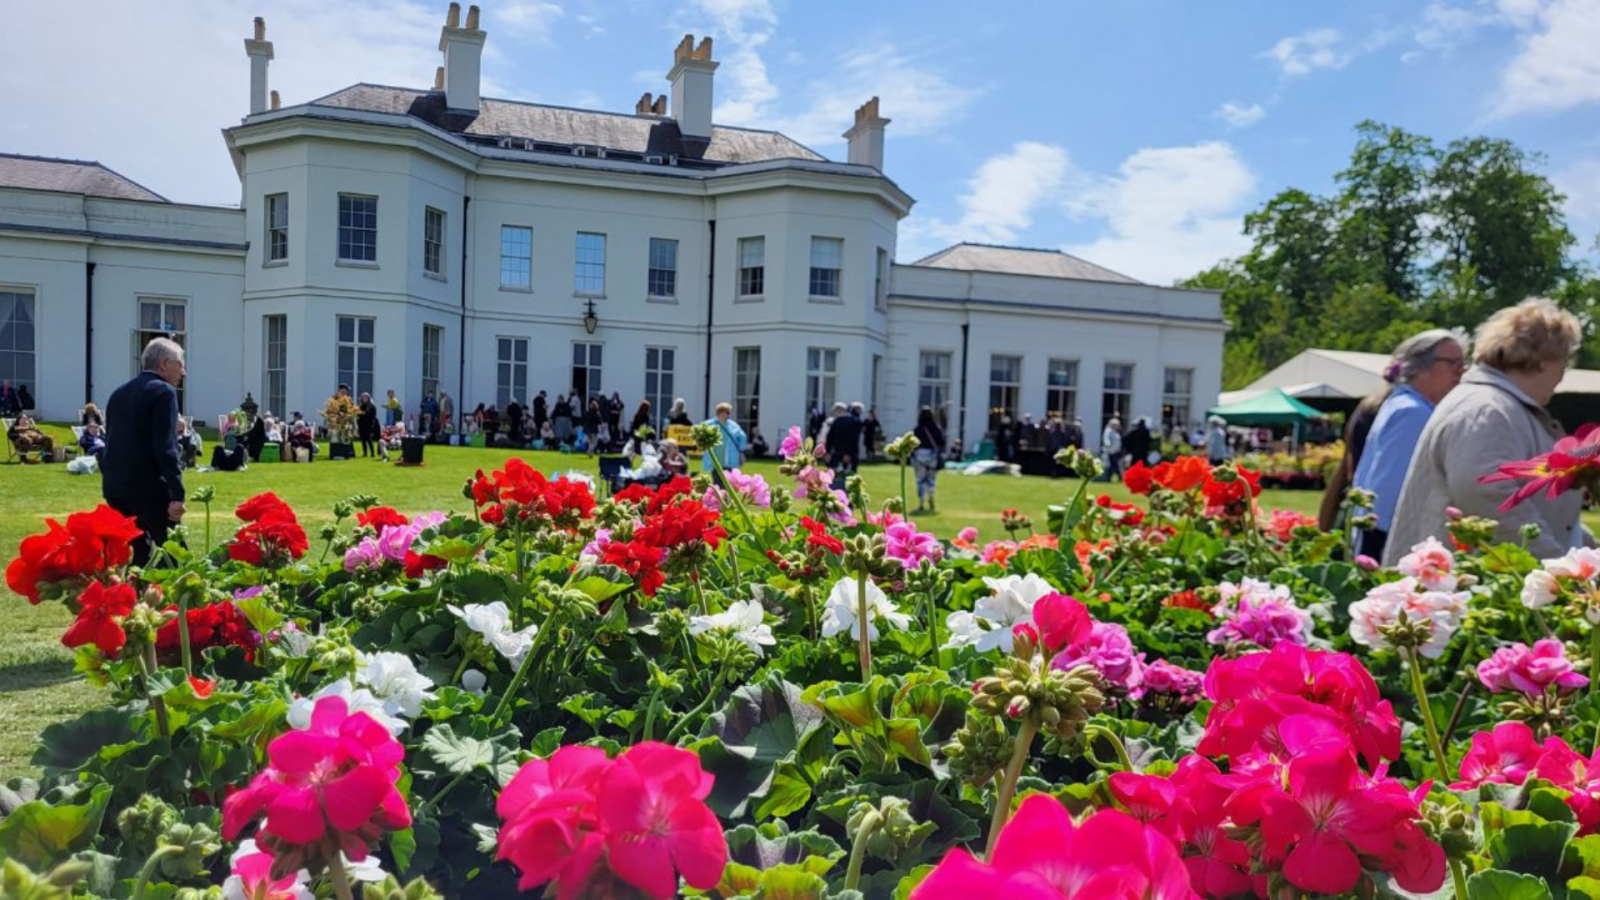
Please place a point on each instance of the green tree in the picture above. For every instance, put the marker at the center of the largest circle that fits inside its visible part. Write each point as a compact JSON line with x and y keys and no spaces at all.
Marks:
{"x":1500,"y":228}
{"x":1382,"y":204}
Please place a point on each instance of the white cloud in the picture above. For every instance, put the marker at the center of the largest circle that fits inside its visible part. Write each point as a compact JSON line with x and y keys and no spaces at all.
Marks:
{"x":919,"y":100}
{"x":1302,"y":54}
{"x":1581,"y":183}
{"x":525,"y":18}
{"x":1240,"y":116}
{"x":1169,"y":212}
{"x":1556,"y":66}
{"x":1443,"y":26}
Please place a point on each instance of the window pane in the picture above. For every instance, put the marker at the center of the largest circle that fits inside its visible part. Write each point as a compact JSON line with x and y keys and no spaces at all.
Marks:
{"x":752,"y":251}
{"x":589,"y":273}
{"x":516,"y":256}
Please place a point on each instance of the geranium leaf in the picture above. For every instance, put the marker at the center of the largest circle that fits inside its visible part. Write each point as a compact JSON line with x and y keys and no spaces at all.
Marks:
{"x":1501,"y":885}
{"x":64,"y":746}
{"x":39,"y":835}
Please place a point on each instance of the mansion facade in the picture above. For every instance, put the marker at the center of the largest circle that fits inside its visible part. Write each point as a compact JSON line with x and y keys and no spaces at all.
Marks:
{"x":433,"y":240}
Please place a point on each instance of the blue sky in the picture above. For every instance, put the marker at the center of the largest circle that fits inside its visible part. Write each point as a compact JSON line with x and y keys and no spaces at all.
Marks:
{"x":1136,"y":133}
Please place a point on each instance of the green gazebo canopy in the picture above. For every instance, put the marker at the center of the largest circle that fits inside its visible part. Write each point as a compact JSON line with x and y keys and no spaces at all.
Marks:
{"x":1272,"y":407}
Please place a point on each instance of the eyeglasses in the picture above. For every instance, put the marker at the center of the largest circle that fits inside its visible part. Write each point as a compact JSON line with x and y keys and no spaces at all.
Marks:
{"x":1458,"y":363}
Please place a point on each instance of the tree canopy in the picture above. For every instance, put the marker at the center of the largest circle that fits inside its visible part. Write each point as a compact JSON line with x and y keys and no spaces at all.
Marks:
{"x":1414,"y":235}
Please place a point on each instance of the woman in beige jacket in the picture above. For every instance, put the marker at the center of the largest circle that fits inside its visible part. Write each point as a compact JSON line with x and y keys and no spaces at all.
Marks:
{"x":1496,"y":415}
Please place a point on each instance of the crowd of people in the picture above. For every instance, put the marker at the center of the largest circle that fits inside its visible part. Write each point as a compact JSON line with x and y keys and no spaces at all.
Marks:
{"x":1451,"y":412}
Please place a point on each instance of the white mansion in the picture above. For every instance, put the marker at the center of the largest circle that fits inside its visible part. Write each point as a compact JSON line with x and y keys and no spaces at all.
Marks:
{"x":434,"y":239}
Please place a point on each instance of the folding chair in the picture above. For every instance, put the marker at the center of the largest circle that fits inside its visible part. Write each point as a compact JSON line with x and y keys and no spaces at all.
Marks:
{"x":611,"y":470}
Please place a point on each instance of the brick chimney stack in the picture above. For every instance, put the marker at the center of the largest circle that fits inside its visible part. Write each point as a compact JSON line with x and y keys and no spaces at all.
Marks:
{"x":259,"y":49}
{"x":650,"y":105}
{"x":866,"y":136}
{"x":692,"y":68}
{"x":463,"y":59}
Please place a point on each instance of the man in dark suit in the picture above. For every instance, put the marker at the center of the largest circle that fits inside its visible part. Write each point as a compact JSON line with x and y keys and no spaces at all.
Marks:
{"x":142,"y":470}
{"x":843,"y":443}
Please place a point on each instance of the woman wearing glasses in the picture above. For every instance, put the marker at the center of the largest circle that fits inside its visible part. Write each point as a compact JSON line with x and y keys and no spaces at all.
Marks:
{"x":1425,"y":368}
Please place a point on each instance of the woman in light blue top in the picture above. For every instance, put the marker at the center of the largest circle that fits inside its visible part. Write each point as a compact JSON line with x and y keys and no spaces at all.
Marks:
{"x":1426,"y":367}
{"x":729,"y":453}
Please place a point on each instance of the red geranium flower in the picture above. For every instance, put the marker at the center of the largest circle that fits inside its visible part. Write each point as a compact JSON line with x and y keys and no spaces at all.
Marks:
{"x":89,"y":544}
{"x":1138,"y":478}
{"x":819,"y":536}
{"x":379,"y":517}
{"x":202,"y":687}
{"x":682,"y":523}
{"x":1229,"y":497}
{"x":641,"y":560}
{"x":101,"y":610}
{"x":530,"y":495}
{"x":1121,"y":513}
{"x":655,"y":497}
{"x":216,"y":625}
{"x":419,"y":564}
{"x":1183,"y":474}
{"x":262,"y":506}
{"x":1573,"y":460}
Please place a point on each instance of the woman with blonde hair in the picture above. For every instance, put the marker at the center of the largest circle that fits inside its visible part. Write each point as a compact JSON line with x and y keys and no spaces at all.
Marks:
{"x":1496,"y":415}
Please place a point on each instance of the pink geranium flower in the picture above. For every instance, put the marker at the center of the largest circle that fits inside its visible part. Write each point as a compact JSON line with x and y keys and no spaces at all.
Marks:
{"x":580,"y":820}
{"x":1108,"y":648}
{"x":1188,"y":807}
{"x":1506,"y":755}
{"x":910,"y":546}
{"x":1572,"y":771}
{"x":252,"y":879}
{"x":1041,"y":855}
{"x":1574,"y":459}
{"x":1432,"y":564}
{"x":1531,"y":670}
{"x":1332,"y":822}
{"x":326,"y":788}
{"x":792,"y":442}
{"x":1061,"y":621}
{"x":753,"y":488}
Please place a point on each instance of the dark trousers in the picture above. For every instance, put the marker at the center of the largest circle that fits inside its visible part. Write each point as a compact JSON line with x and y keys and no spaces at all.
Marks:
{"x":1371,"y":543}
{"x":151,"y":514}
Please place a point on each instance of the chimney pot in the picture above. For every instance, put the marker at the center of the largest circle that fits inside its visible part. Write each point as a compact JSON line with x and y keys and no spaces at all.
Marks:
{"x":261,"y":28}
{"x":438,"y":78}
{"x":642,"y":108}
{"x":452,"y":17}
{"x":472,"y":17}
{"x":703,"y":52}
{"x":866,"y":136}
{"x":275,"y":101}
{"x":660,"y":107}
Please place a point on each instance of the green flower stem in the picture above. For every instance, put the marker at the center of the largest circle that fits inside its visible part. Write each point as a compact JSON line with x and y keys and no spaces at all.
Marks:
{"x":933,"y":628}
{"x":1458,"y":878}
{"x":1008,"y":787}
{"x":455,"y":679}
{"x":1440,"y":759}
{"x":340,"y":879}
{"x":209,"y":545}
{"x":810,"y":601}
{"x":1093,"y":731}
{"x":147,"y":661}
{"x":863,"y":627}
{"x":434,"y":801}
{"x":1066,"y":514}
{"x":738,"y":500}
{"x":649,"y":729}
{"x":1594,"y":659}
{"x":699,"y":591}
{"x":522,"y":673}
{"x":517,"y":611}
{"x":904,"y":500}
{"x":858,"y":848}
{"x":148,"y":871}
{"x":699,"y":708}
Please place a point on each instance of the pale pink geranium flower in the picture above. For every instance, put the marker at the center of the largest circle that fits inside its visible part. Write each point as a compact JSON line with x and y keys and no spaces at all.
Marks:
{"x":1531,"y":670}
{"x":1042,"y":855}
{"x":1406,"y":599}
{"x":365,"y":555}
{"x":1259,"y":613}
{"x":910,"y":546}
{"x":252,"y":878}
{"x":811,"y":478}
{"x":753,"y":488}
{"x":1432,"y":564}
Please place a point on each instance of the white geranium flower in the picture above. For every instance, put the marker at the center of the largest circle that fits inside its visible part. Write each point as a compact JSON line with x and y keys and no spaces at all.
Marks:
{"x":1539,"y":589}
{"x":394,"y":678}
{"x":1579,"y":563}
{"x":356,"y":700}
{"x":745,"y":620}
{"x":988,"y":626}
{"x":1388,"y":604}
{"x":839,"y":614}
{"x":493,"y":622}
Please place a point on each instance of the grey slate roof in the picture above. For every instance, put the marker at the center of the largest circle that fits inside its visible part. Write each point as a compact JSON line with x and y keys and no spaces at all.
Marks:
{"x":1020,"y":261}
{"x":72,"y":176}
{"x":562,"y":125}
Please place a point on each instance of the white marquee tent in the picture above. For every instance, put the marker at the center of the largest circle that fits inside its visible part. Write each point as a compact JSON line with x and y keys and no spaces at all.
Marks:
{"x":1346,"y":374}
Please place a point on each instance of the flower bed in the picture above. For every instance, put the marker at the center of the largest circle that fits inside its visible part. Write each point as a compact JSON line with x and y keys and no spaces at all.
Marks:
{"x":787,"y":690}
